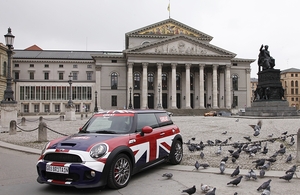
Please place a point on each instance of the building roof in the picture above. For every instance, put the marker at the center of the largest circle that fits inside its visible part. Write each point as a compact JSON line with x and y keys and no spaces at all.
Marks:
{"x":291,"y":70}
{"x":33,"y":48}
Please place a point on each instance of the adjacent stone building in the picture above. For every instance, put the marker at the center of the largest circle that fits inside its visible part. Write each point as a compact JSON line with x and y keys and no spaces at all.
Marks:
{"x":164,"y":65}
{"x":290,"y":79}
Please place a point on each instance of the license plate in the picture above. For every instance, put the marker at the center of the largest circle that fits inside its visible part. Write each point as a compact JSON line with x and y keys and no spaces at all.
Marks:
{"x":57,"y":169}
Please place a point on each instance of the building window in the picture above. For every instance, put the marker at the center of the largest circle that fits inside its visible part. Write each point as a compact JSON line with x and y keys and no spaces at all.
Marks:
{"x":57,"y":107}
{"x":75,"y":66}
{"x":31,"y":65}
{"x":296,"y":83}
{"x":178,"y":82}
{"x":192,"y":82}
{"x":75,"y":76}
{"x":164,"y":79}
{"x":60,"y":76}
{"x":292,"y":91}
{"x":292,"y":83}
{"x":4,"y":69}
{"x":26,"y":107}
{"x":296,"y":99}
{"x":114,"y":100}
{"x":114,"y":80}
{"x":137,"y":80}
{"x":114,"y":61}
{"x":292,"y":75}
{"x":77,"y":107}
{"x":46,"y":108}
{"x":46,"y":75}
{"x":89,"y":66}
{"x":296,"y":75}
{"x":36,"y":108}
{"x":150,"y":81}
{"x":292,"y":99}
{"x":296,"y":91}
{"x":17,"y":75}
{"x":89,"y":76}
{"x":235,"y":83}
{"x":17,"y":65}
{"x":46,"y":66}
{"x":31,"y":75}
{"x":60,"y":66}
{"x":234,"y":64}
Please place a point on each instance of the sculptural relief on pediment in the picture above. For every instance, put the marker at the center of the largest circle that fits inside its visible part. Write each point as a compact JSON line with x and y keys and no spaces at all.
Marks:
{"x":180,"y":47}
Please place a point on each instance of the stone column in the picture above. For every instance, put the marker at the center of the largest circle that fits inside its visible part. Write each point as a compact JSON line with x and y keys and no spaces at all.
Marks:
{"x":98,"y":84}
{"x":248,"y":103}
{"x":201,"y":84}
{"x":129,"y":83}
{"x":145,"y":87}
{"x":222,"y":89}
{"x":173,"y":87}
{"x":215,"y":86}
{"x":228,"y":87}
{"x":187,"y":86}
{"x":159,"y":83}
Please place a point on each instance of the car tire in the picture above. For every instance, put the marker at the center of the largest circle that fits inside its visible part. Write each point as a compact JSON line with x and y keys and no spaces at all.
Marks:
{"x":176,"y":153}
{"x":119,"y":172}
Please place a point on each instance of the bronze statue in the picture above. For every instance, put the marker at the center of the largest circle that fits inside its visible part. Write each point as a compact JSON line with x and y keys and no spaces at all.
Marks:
{"x":265,"y":60}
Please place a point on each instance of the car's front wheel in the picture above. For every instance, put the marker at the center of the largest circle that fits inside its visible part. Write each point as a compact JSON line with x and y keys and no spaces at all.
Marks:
{"x":176,"y":153}
{"x":119,"y":172}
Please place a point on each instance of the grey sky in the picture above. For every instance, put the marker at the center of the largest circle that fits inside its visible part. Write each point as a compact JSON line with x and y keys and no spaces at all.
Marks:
{"x":239,"y":26}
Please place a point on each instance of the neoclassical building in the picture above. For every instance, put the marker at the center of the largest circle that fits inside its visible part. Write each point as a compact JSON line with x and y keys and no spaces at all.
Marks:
{"x":164,"y":65}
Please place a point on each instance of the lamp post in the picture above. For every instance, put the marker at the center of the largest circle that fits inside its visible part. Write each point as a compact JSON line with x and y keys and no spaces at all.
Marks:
{"x":70,"y":102}
{"x":9,"y":93}
{"x":130,"y":103}
{"x":96,"y":106}
{"x":159,"y":104}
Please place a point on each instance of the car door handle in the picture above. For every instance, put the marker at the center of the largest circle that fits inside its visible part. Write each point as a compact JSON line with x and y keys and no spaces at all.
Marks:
{"x":162,"y":134}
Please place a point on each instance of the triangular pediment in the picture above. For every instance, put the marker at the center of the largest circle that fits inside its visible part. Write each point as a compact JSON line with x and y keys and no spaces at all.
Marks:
{"x":181,"y":45}
{"x":169,"y":27}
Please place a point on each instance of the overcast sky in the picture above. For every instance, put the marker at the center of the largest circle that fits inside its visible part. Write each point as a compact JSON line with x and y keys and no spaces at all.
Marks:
{"x":239,"y":26}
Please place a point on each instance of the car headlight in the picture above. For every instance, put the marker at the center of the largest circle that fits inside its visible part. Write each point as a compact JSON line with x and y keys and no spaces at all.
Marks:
{"x":45,"y":147}
{"x":98,"y":150}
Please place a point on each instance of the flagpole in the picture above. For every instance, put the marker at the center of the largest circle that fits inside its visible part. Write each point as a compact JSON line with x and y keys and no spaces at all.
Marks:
{"x":169,"y":10}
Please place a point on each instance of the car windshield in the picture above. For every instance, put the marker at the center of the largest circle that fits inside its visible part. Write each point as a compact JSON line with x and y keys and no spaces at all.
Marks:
{"x":109,"y":124}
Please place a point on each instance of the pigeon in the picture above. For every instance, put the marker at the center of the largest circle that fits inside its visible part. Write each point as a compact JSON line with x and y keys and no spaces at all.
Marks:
{"x":224,"y":133}
{"x":288,"y":176}
{"x":291,"y":170}
{"x":266,"y":166}
{"x":289,"y":158}
{"x":167,"y":175}
{"x":212,"y":192}
{"x":270,"y":135}
{"x":222,"y":167}
{"x":233,"y":160}
{"x":192,"y":147}
{"x":264,"y":185}
{"x":204,"y":165}
{"x":256,"y":133}
{"x":190,"y":191}
{"x":284,"y":133}
{"x":235,"y":193}
{"x":248,"y":138}
{"x":237,"y":120}
{"x":262,"y":173}
{"x":201,"y":155}
{"x":235,"y":181}
{"x":292,"y":139}
{"x":253,"y":174}
{"x":193,"y":138}
{"x":205,"y":188}
{"x":236,"y":172}
{"x":197,"y":165}
{"x":271,"y":159}
{"x":224,"y":159}
{"x":282,"y":150}
{"x":257,"y":127}
{"x":259,"y":162}
{"x":267,"y":191}
{"x":219,"y":150}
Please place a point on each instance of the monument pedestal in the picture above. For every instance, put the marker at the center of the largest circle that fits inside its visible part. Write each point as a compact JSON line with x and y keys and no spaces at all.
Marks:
{"x":70,"y":114}
{"x":270,"y":108}
{"x":9,"y":112}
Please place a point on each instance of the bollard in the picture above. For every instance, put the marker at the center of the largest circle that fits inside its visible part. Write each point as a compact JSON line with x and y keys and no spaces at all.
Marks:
{"x":61,"y":117}
{"x":41,"y":119}
{"x":81,"y":116}
{"x":42,"y":134}
{"x":23,"y":121}
{"x":298,"y":146}
{"x":12,"y":127}
{"x":86,"y":115}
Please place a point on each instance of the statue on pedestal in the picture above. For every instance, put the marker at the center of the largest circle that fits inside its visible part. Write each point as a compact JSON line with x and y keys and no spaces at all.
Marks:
{"x":265,"y":60}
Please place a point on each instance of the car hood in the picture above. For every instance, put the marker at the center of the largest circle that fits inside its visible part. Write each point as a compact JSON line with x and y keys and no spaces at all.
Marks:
{"x":81,"y":141}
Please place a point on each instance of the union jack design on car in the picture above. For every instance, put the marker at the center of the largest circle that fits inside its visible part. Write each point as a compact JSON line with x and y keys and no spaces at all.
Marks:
{"x":110,"y":148}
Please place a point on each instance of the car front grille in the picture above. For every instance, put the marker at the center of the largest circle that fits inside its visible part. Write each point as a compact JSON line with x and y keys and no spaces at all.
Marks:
{"x":62,"y":157}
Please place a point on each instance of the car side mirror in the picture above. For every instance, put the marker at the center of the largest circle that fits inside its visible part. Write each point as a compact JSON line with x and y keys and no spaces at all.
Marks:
{"x":146,"y":129}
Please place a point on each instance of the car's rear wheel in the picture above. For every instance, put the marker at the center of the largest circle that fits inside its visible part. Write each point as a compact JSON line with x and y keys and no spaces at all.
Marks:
{"x":119,"y":172}
{"x":176,"y":153}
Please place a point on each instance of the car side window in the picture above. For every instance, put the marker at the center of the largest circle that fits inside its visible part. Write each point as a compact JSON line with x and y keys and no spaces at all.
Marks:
{"x":148,"y":119}
{"x":163,"y":119}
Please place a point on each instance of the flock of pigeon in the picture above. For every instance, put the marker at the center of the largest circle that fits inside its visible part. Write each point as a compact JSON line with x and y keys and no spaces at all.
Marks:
{"x":249,"y":148}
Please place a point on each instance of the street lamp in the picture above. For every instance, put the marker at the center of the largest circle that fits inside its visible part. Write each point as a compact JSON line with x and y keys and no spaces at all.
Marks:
{"x":234,"y":80}
{"x":70,"y":102}
{"x":96,"y":106}
{"x":130,"y":104}
{"x":9,"y":93}
{"x":159,"y":104}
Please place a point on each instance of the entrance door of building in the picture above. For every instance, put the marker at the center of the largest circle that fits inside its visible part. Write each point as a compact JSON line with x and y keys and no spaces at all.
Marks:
{"x":192,"y":100}
{"x":164,"y":100}
{"x":150,"y":100}
{"x":136,"y":101}
{"x":178,"y":100}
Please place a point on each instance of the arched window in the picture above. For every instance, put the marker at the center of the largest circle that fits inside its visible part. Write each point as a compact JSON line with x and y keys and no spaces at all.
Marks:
{"x":192,"y":82}
{"x":4,"y":69}
{"x":177,"y":81}
{"x":164,"y":79}
{"x":296,"y":83}
{"x":292,"y":83}
{"x":114,"y":80}
{"x":150,"y":81}
{"x":235,"y":83}
{"x":137,"y":80}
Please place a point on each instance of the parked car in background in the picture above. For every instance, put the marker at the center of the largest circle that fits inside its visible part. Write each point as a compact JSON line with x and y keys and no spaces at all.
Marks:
{"x":111,"y":147}
{"x":224,"y":113}
{"x":211,"y":113}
